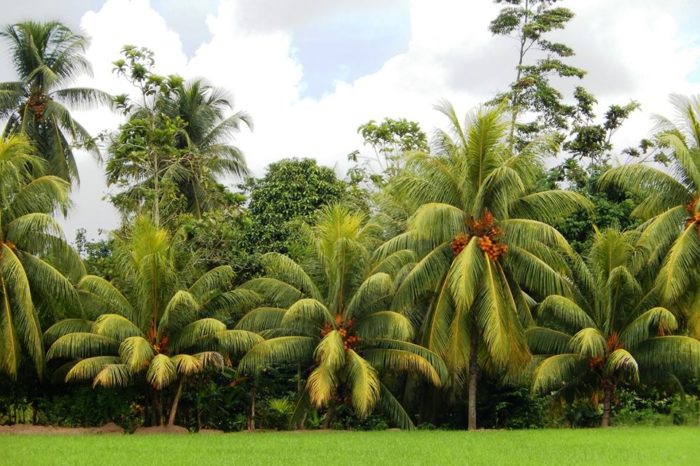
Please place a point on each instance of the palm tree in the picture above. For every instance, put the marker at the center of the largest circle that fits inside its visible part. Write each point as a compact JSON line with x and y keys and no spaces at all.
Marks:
{"x":150,"y":323}
{"x":610,"y":331}
{"x":47,"y":57}
{"x":670,"y":206}
{"x":332,"y":316}
{"x":485,"y":250}
{"x":206,"y":140}
{"x":34,"y":256}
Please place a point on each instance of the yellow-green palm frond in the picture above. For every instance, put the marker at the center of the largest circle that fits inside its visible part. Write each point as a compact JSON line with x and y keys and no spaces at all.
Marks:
{"x":589,"y":343}
{"x":655,"y":321}
{"x":364,"y":384}
{"x":136,"y":353}
{"x":181,"y":310}
{"x":236,"y":342}
{"x":64,"y":327}
{"x":677,"y":273}
{"x":288,"y":349}
{"x":275,"y":292}
{"x":186,"y":364}
{"x":115,"y":326}
{"x":622,"y":361}
{"x":436,"y":373}
{"x":88,"y":368}
{"x":212,"y":281}
{"x":307,"y":311}
{"x":113,"y":375}
{"x":565,"y":312}
{"x":374,"y":290}
{"x":196,"y":332}
{"x":80,"y":345}
{"x":285,"y":269}
{"x":161,"y":372}
{"x":107,"y":294}
{"x":262,"y":318}
{"x":323,"y":380}
{"x":385,"y":324}
{"x":19,"y":318}
{"x":393,"y":408}
{"x":543,"y":340}
{"x":555,"y":372}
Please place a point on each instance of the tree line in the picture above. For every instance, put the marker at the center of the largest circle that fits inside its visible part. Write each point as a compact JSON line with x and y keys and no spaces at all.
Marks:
{"x":437,"y":274}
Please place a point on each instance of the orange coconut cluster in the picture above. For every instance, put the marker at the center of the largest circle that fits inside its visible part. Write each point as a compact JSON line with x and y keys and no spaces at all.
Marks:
{"x":613,"y":343}
{"x":694,"y":218}
{"x":37,"y":102}
{"x":159,"y":345}
{"x":487,"y":232}
{"x":345,"y":331}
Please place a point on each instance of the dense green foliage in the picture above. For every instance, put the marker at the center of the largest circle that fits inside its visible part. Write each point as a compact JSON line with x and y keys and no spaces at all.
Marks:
{"x":504,"y":274}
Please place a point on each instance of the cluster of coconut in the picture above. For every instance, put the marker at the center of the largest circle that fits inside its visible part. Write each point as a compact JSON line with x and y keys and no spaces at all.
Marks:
{"x":345,"y":330}
{"x":489,"y":237}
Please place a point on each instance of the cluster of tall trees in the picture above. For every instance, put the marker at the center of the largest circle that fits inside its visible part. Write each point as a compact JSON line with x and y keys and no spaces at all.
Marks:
{"x":438,"y":265}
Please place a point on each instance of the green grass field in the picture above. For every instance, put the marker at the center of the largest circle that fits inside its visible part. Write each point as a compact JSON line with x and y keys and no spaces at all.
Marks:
{"x":592,"y":447}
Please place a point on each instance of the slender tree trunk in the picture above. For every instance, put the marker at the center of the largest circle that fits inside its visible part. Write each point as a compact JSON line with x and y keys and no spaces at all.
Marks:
{"x":328,"y":419}
{"x":473,"y":376}
{"x":157,"y":408}
{"x":176,"y":401}
{"x":607,"y":400}
{"x":473,"y":373}
{"x":516,"y":94}
{"x":251,"y":419}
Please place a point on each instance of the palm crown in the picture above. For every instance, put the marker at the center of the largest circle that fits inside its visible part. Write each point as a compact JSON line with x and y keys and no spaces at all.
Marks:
{"x":47,"y":57}
{"x":670,"y":206}
{"x":333,"y":316}
{"x":29,"y":235}
{"x":609,"y":330}
{"x":152,"y":322}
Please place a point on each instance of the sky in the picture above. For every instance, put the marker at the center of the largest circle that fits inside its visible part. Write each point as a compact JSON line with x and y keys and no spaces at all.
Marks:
{"x":311,"y":71}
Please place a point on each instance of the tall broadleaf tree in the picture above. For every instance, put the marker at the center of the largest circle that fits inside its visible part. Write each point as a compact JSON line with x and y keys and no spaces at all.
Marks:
{"x":152,"y":322}
{"x":611,"y":331}
{"x":34,"y":256}
{"x":484,"y":244}
{"x":332,"y":316}
{"x":48,"y":58}
{"x":169,"y":156}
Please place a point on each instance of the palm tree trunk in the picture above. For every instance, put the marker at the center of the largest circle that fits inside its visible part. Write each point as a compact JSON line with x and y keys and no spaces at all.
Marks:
{"x":251,"y":418}
{"x":176,"y":401}
{"x":473,"y":374}
{"x":328,"y":419}
{"x":607,"y":400}
{"x":157,"y":408}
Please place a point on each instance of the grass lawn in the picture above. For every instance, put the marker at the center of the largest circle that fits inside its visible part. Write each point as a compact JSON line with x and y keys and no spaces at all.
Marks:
{"x":592,"y":447}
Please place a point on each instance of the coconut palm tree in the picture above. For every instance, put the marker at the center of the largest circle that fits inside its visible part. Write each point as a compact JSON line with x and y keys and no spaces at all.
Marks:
{"x":332,"y":316}
{"x":150,"y":321}
{"x":206,"y":140}
{"x":611,"y":330}
{"x":670,"y":206}
{"x":47,"y":57}
{"x":34,"y":256}
{"x":485,"y":249}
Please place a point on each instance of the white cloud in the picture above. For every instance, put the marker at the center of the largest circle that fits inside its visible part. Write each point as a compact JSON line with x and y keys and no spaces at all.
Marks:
{"x":632,"y":50}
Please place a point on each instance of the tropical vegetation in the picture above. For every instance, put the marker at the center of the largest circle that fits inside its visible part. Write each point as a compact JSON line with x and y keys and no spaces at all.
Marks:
{"x":508,"y":272}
